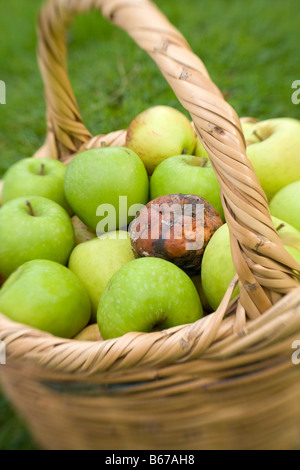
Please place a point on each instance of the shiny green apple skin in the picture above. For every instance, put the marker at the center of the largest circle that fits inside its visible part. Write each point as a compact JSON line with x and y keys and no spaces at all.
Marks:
{"x":185,"y":174}
{"x":36,"y":177}
{"x":147,"y":294}
{"x":290,"y":237}
{"x":94,"y":262}
{"x":160,"y":132}
{"x":48,"y":234}
{"x":218,"y":270}
{"x":276,"y":156}
{"x":46,"y":295}
{"x":100,"y":176}
{"x":286,"y":204}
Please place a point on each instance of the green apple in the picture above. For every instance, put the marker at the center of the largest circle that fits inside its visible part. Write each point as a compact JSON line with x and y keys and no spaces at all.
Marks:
{"x":218,"y":270}
{"x":97,"y":181}
{"x":48,"y":296}
{"x":286,"y":204}
{"x":160,"y":132}
{"x":147,"y":294}
{"x":81,"y":231}
{"x":95,"y":261}
{"x":115,"y":234}
{"x":187,"y":174}
{"x":290,"y":237}
{"x":199,"y":150}
{"x":248,"y":125}
{"x":36,"y":177}
{"x":276,"y":155}
{"x":1,"y":189}
{"x":33,"y":227}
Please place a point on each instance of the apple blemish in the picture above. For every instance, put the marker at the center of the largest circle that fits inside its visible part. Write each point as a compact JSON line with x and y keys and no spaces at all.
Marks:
{"x":175,"y":227}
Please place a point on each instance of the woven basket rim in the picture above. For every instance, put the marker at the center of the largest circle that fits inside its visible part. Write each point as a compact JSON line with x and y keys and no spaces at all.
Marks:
{"x":157,"y":349}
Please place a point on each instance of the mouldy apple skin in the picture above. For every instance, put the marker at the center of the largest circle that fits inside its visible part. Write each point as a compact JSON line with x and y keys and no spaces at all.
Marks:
{"x":160,"y":231}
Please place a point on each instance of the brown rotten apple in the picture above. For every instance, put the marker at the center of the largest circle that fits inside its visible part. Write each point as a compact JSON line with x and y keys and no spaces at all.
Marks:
{"x":175,"y":227}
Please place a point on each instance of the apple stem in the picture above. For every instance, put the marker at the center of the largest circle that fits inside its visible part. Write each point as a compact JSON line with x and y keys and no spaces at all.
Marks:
{"x":30,"y":208}
{"x":280,"y":226}
{"x":257,"y":135}
{"x":203,"y":161}
{"x":42,"y":170}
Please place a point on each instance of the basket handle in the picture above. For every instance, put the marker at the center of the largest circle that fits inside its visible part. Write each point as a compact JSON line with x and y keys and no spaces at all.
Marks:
{"x":266,"y":271}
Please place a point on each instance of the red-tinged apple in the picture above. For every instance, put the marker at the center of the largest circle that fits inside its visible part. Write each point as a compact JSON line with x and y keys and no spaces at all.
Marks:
{"x":248,"y":125}
{"x":160,"y":132}
{"x":276,"y":155}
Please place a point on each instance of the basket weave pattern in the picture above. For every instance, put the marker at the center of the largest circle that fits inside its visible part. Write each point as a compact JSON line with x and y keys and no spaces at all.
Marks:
{"x":226,"y":381}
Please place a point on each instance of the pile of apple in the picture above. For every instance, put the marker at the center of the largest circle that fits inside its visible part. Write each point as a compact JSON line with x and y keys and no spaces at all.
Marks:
{"x":71,"y":262}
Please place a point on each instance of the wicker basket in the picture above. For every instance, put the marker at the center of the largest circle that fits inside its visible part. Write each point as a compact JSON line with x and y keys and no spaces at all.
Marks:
{"x":225,"y":382}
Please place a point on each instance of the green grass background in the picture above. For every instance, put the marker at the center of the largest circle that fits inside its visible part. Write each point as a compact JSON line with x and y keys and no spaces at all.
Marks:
{"x":250,"y":49}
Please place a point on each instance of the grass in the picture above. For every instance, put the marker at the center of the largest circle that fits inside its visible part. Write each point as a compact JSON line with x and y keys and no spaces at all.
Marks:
{"x":250,"y":51}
